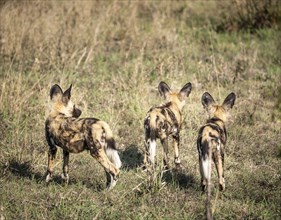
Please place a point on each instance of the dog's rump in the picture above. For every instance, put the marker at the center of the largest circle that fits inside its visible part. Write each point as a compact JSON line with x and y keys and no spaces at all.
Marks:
{"x":110,"y":147}
{"x":102,"y":131}
{"x":214,"y":129}
{"x":211,"y":135}
{"x":162,"y":121}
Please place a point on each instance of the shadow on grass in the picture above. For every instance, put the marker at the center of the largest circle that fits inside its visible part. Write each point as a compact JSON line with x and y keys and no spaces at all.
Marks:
{"x":180,"y":177}
{"x":25,"y":170}
{"x":131,"y":157}
{"x":157,"y":179}
{"x":94,"y":185}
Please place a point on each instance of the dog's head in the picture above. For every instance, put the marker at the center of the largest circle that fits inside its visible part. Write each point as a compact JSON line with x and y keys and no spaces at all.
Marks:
{"x":175,"y":97}
{"x":62,"y":103}
{"x":219,"y":111}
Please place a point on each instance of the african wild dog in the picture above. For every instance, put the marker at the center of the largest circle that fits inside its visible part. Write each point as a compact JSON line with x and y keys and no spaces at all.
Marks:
{"x":211,"y":142}
{"x":65,"y":129}
{"x":164,"y":121}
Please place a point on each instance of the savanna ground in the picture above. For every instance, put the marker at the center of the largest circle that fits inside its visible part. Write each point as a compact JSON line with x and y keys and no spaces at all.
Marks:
{"x":115,"y":53}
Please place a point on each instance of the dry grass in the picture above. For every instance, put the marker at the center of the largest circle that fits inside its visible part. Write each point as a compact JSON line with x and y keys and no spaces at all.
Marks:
{"x":115,"y":53}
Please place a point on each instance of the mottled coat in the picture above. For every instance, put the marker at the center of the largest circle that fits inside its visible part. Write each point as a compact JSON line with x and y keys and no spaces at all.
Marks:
{"x":165,"y":121}
{"x":65,"y":129}
{"x":211,"y":142}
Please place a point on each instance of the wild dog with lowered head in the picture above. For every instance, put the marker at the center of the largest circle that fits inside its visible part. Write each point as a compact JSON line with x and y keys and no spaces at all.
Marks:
{"x":65,"y":129}
{"x":164,"y":121}
{"x":211,"y":142}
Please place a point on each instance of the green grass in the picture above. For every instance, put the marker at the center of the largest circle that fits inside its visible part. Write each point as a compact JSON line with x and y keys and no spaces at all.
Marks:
{"x":115,"y":54}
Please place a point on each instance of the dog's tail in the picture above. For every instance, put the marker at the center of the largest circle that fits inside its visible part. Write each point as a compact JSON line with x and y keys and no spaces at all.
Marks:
{"x":207,"y":170}
{"x":150,"y":130}
{"x":110,"y":149}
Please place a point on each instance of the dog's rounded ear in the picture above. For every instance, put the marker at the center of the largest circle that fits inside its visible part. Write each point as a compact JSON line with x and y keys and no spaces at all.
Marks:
{"x":67,"y":94}
{"x":55,"y":91}
{"x":185,"y":91}
{"x":164,"y":89}
{"x":207,"y":100}
{"x":229,"y":101}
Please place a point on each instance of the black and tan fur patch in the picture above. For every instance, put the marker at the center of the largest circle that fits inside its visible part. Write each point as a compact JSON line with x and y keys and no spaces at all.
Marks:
{"x":65,"y":129}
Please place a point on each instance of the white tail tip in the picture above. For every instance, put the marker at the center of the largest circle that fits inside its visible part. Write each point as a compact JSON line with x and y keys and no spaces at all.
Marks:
{"x":206,"y":164}
{"x":152,"y":150}
{"x":113,"y":156}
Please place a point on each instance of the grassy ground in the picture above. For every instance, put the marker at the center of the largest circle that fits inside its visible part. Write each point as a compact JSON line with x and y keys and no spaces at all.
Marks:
{"x":115,"y":53}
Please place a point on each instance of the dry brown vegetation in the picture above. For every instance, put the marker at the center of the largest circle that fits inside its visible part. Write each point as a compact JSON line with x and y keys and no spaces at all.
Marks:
{"x":115,"y":53}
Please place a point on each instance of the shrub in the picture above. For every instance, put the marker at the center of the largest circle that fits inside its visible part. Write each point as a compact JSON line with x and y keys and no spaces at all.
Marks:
{"x":248,"y":15}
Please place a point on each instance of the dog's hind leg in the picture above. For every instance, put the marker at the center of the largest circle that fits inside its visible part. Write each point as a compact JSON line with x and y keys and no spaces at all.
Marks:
{"x":146,"y":149}
{"x":96,"y":145}
{"x":219,"y":163}
{"x":164,"y":143}
{"x":145,"y":162}
{"x":64,"y":174}
{"x":150,"y":144}
{"x":110,"y":180}
{"x":203,"y":180}
{"x":176,"y":139}
{"x":110,"y":169}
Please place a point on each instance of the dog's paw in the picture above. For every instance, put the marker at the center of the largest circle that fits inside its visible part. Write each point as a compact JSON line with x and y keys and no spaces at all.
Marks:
{"x":166,"y":168}
{"x":203,"y":188}
{"x":222,"y":186}
{"x":111,"y":184}
{"x":178,"y":166}
{"x":65,"y":177}
{"x":49,"y":177}
{"x":177,"y":161}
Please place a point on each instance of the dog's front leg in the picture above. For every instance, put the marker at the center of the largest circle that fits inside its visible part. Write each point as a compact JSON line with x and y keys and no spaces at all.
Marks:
{"x":51,"y":160}
{"x":64,"y":174}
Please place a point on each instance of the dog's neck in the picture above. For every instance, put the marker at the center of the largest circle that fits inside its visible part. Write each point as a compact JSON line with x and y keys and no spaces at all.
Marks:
{"x":55,"y":114}
{"x":175,"y":109}
{"x":216,"y":120}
